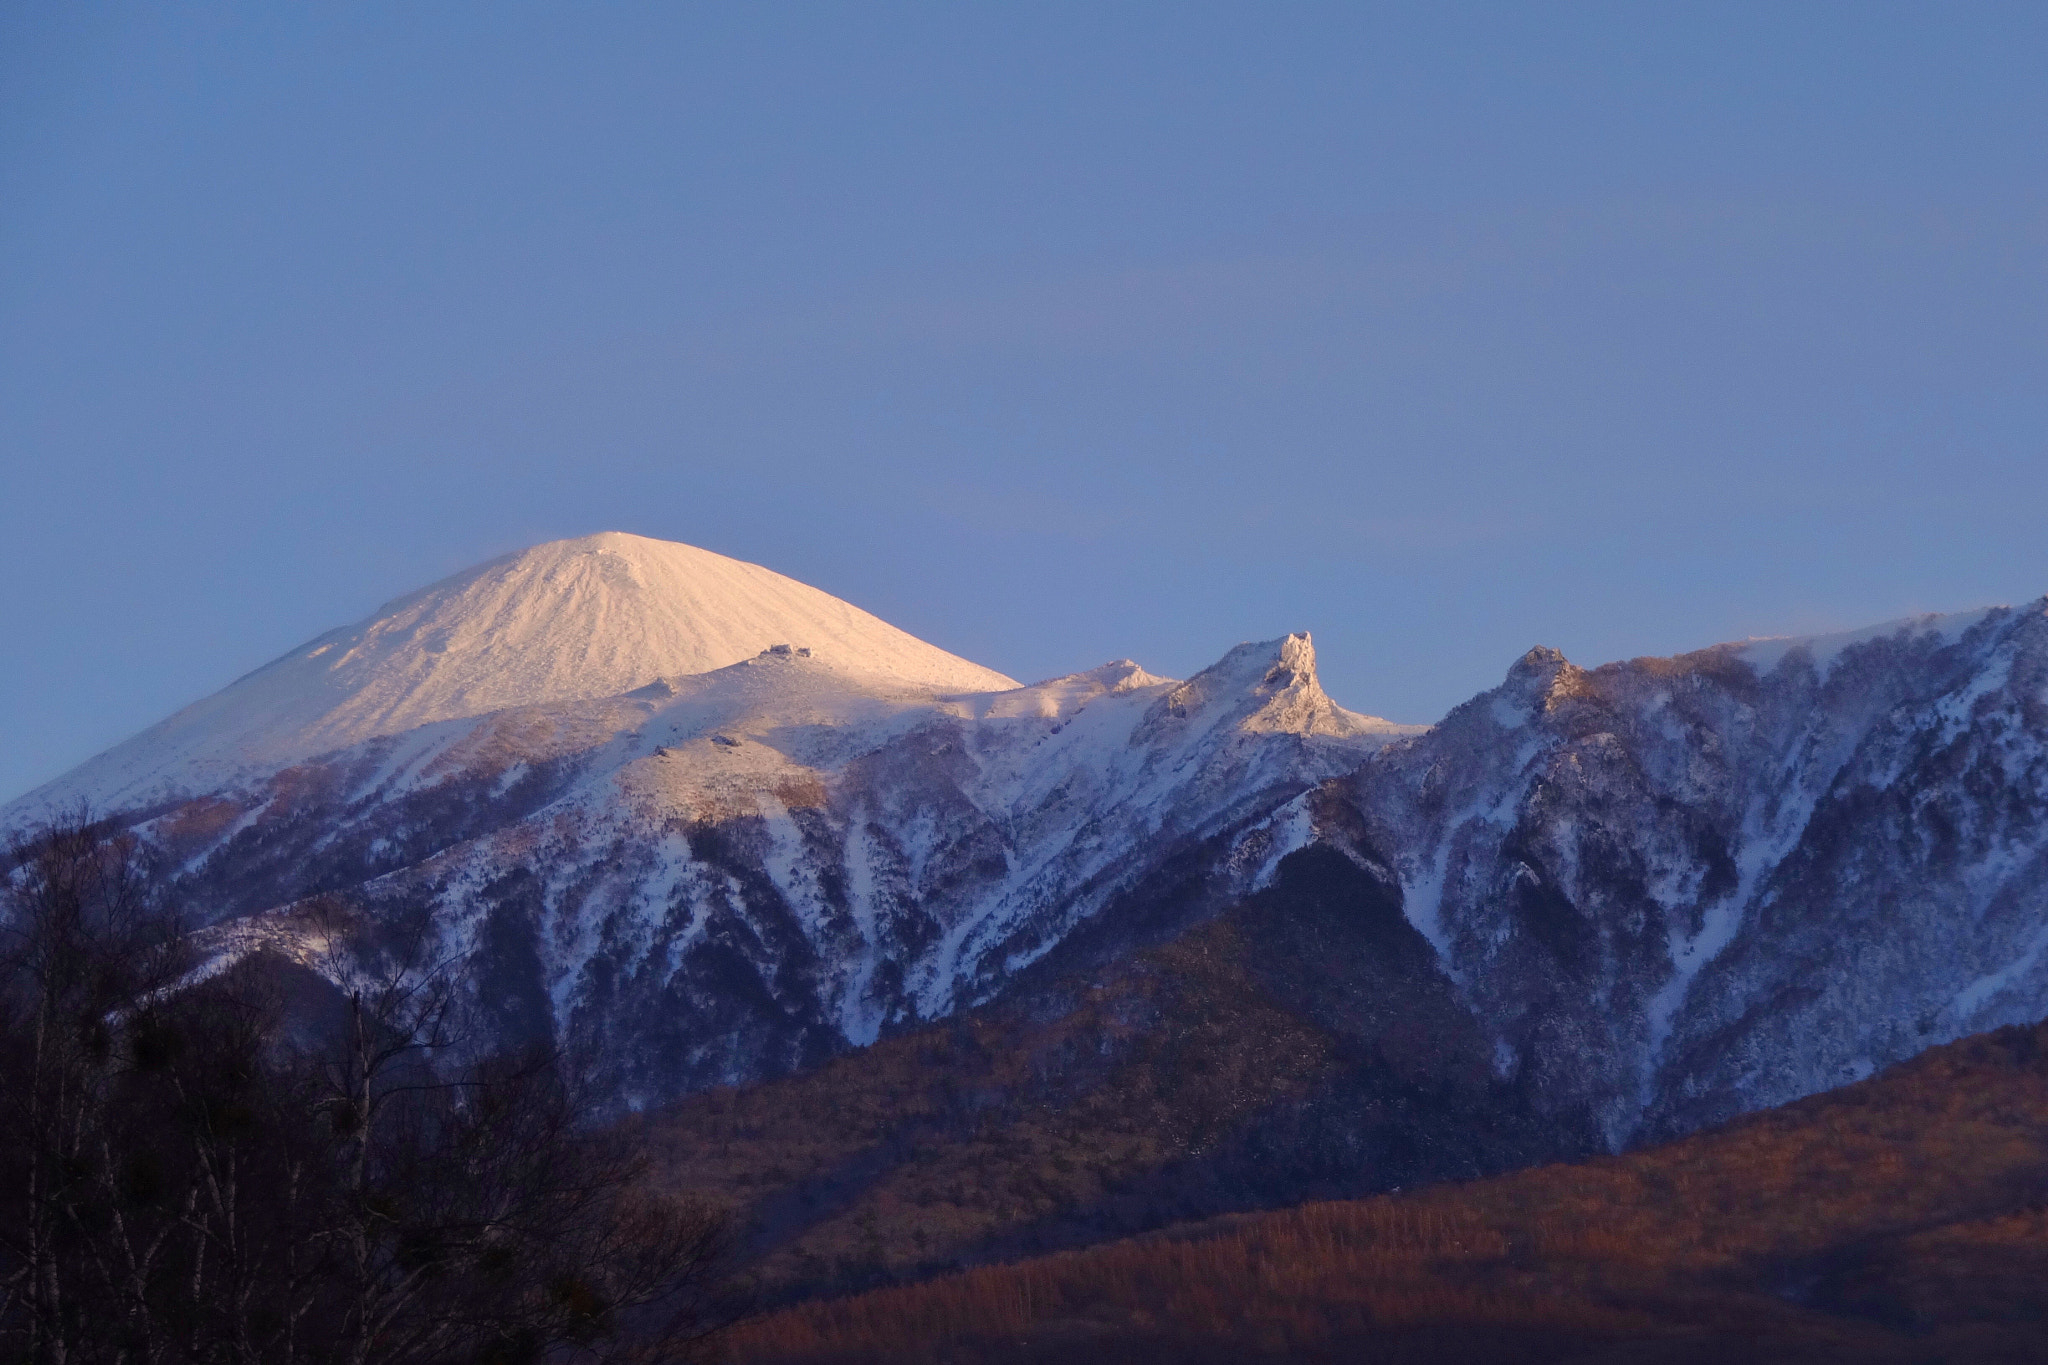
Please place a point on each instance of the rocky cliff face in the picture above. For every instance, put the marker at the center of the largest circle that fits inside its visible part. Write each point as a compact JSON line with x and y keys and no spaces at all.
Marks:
{"x":1660,"y":891}
{"x":1675,"y":889}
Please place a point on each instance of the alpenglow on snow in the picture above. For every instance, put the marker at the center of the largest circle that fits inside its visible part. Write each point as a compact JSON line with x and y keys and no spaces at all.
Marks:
{"x":720,"y":825}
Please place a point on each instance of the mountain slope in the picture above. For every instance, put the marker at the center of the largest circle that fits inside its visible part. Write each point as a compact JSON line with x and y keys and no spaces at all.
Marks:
{"x":1895,"y":1220}
{"x":715,"y":874}
{"x":1298,"y":1044}
{"x":564,"y":621}
{"x":1657,"y":892}
{"x":1677,"y":889}
{"x":722,"y":877}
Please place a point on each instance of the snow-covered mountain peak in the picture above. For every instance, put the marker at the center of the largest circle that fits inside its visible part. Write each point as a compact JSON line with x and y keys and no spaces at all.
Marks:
{"x":570,"y":620}
{"x":1540,"y":664}
{"x":1266,"y":687}
{"x":597,"y":615}
{"x":1056,"y":698}
{"x":716,"y":825}
{"x":1541,"y":672}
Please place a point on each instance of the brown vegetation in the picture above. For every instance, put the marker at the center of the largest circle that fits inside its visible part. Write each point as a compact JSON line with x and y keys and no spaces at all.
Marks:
{"x":1900,"y":1219}
{"x":1234,"y":1067}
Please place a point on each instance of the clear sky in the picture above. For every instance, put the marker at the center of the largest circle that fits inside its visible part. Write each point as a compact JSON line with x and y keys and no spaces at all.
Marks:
{"x":1051,"y":333}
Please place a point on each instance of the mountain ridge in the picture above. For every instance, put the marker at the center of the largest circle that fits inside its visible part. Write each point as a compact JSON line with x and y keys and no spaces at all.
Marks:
{"x":1663,"y":891}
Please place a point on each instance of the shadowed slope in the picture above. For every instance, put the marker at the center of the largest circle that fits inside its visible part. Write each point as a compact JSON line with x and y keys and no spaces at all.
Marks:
{"x":1298,"y":1044}
{"x":1899,"y":1219}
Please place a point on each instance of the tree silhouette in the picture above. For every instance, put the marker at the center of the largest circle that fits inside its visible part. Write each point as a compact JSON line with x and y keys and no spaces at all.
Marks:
{"x":255,"y":1163}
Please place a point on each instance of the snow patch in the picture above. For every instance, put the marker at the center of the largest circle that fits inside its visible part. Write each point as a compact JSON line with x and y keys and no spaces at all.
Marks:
{"x":1765,"y":652}
{"x":1984,"y":989}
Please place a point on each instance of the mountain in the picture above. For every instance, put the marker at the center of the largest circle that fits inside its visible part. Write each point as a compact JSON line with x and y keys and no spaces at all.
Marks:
{"x":1678,"y":889}
{"x":571,"y":620}
{"x":1591,"y":908}
{"x":709,"y":869}
{"x":1297,"y":1044}
{"x":721,"y":828}
{"x":1898,"y":1219}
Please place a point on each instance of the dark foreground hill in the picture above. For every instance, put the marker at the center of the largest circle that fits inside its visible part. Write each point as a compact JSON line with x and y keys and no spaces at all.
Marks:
{"x":1900,"y":1219}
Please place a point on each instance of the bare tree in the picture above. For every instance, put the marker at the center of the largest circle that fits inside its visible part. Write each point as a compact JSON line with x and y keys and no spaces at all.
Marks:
{"x":486,"y":1219}
{"x":230,"y":1166}
{"x":82,"y":952}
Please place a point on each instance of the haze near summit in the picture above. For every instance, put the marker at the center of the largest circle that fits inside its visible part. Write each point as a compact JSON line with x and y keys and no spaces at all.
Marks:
{"x":1047,"y":336}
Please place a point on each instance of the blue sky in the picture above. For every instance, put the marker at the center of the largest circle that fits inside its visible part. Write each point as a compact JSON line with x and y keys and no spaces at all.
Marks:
{"x":1050,"y":333}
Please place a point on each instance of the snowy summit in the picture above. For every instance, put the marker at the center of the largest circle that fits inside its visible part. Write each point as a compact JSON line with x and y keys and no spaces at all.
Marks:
{"x":718,"y":826}
{"x":564,"y":621}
